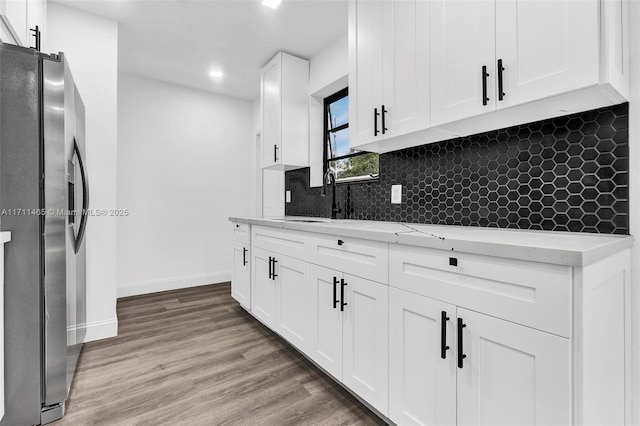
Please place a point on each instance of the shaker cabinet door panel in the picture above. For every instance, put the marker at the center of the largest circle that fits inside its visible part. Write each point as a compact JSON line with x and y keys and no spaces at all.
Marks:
{"x":263,"y":292}
{"x":241,"y":280}
{"x":271,"y":112}
{"x":512,"y":374}
{"x":462,"y":42}
{"x":546,"y":47}
{"x":366,"y":341}
{"x":326,"y":320}
{"x":292,"y":311}
{"x":422,"y":384}
{"x":365,"y":70}
{"x":405,"y":66}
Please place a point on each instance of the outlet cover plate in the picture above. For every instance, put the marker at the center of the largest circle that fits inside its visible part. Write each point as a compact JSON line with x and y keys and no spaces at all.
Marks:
{"x":396,"y":194}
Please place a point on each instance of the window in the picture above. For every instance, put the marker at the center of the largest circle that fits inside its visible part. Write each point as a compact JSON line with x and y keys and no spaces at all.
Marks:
{"x":348,"y":164}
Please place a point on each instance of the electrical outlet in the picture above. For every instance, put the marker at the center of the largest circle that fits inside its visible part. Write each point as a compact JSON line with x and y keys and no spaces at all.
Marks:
{"x":396,"y":194}
{"x":287,"y":196}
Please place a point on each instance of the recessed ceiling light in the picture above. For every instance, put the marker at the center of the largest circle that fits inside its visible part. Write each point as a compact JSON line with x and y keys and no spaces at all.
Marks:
{"x":273,"y":4}
{"x":216,"y":74}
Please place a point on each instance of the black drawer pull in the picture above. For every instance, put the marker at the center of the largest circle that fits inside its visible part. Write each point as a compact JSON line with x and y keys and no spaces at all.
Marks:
{"x":500,"y":84}
{"x":461,"y":355}
{"x":244,"y":256}
{"x":342,"y":302}
{"x":384,"y":113}
{"x":375,"y":121}
{"x":335,"y":293}
{"x":340,"y":242}
{"x":273,"y":274}
{"x":270,"y":259}
{"x":485,"y":74}
{"x":275,"y":153}
{"x":453,"y":261}
{"x":443,"y":336}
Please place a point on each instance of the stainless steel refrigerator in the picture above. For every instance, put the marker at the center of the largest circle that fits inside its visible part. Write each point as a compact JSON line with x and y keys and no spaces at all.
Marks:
{"x":44,"y":201}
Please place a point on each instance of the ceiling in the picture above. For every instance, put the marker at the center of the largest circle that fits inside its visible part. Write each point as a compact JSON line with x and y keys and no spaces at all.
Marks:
{"x":181,"y":41}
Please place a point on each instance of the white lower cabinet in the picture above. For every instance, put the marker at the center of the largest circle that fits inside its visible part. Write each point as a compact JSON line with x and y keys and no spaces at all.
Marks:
{"x":241,"y":279}
{"x":280,"y":295}
{"x":263,"y":290}
{"x":462,"y":338}
{"x":292,"y":299}
{"x":495,"y":372}
{"x":350,"y":333}
{"x":326,"y":320}
{"x":512,"y":374}
{"x":422,"y":360}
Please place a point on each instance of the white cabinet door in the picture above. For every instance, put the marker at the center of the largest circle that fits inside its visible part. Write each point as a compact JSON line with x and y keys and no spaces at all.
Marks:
{"x":405,"y":74}
{"x":271,"y":97}
{"x":462,"y":35}
{"x":512,"y":374}
{"x":546,"y":47}
{"x":422,"y":384}
{"x":241,"y":280}
{"x":263,"y":291}
{"x":292,"y":300}
{"x":326,"y":320}
{"x":366,"y":341}
{"x":365,"y":70}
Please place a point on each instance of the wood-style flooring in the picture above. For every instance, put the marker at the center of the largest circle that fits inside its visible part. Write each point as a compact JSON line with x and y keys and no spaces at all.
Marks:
{"x":195,"y":357}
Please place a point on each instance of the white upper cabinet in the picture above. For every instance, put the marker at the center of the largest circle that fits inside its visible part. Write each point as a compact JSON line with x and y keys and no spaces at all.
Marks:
{"x":425,"y":71}
{"x":365,"y":71}
{"x":545,"y":48}
{"x":285,"y":112}
{"x":18,"y":17}
{"x":388,"y":69}
{"x":462,"y":59}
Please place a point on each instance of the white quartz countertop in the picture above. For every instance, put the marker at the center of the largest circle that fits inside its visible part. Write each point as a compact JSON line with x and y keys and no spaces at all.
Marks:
{"x":560,"y":248}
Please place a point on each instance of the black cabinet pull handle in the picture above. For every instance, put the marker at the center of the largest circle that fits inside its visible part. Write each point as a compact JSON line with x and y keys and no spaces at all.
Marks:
{"x":270,"y":259}
{"x":244,"y":256}
{"x":375,"y":121}
{"x":342,"y":302}
{"x":37,"y":36}
{"x":453,"y":261}
{"x":461,"y":355}
{"x":485,"y":74}
{"x":237,"y":225}
{"x":275,"y":153}
{"x":443,"y":336}
{"x":340,"y":242}
{"x":384,"y":114}
{"x":273,"y":274}
{"x":500,"y":88}
{"x":335,"y":293}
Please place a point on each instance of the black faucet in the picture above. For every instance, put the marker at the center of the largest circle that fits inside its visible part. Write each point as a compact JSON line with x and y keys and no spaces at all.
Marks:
{"x":330,"y":179}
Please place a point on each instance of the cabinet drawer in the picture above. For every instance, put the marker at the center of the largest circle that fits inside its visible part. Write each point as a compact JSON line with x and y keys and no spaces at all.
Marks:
{"x":362,"y":258}
{"x":290,"y":243}
{"x":241,"y":232}
{"x":534,"y":294}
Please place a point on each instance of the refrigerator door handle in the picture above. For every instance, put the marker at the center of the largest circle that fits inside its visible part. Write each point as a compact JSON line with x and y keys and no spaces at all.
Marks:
{"x":85,"y":198}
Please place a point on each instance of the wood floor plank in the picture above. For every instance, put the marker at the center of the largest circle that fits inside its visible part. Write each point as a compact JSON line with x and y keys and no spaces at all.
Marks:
{"x":195,"y":357}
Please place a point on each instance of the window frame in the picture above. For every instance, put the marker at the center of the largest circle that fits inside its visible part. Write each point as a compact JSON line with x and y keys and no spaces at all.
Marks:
{"x":325,"y":137}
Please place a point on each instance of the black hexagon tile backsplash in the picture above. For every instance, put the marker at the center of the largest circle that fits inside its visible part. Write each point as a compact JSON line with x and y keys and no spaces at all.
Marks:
{"x":564,"y":174}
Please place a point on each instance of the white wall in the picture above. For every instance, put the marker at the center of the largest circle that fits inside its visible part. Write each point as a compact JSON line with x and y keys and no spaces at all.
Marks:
{"x":328,"y":73}
{"x":634,"y":203}
{"x":90,"y":44}
{"x":185,"y":164}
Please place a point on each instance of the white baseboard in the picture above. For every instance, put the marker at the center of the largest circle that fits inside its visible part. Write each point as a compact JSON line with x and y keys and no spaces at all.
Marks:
{"x":153,"y":286}
{"x":97,"y":330}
